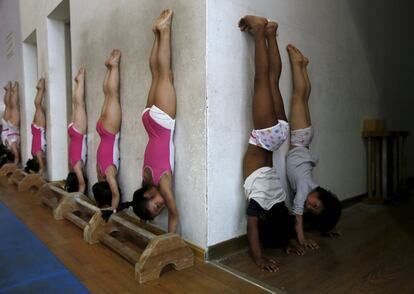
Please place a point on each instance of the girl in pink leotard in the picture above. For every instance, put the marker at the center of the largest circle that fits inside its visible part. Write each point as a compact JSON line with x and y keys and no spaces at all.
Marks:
{"x":108,"y":126}
{"x":37,"y":164}
{"x":76,"y":180}
{"x":159,"y":121}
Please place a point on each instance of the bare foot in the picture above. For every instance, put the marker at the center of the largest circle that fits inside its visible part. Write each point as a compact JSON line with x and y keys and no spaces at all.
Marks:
{"x":305,"y":61}
{"x":15,"y":87}
{"x":271,"y":29}
{"x":164,"y":20}
{"x":252,"y":23}
{"x":81,"y":74}
{"x":40,"y":84}
{"x":115,"y":57}
{"x":8,"y":86}
{"x":294,"y":54}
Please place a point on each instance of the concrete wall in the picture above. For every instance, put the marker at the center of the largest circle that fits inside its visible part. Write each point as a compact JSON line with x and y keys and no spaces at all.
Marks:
{"x":348,"y":43}
{"x":99,"y":26}
{"x":10,"y":45}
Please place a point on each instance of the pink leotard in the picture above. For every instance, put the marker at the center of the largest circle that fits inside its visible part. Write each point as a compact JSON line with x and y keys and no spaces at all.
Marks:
{"x":38,"y":139}
{"x":77,"y":146}
{"x":108,"y":150}
{"x":159,"y":152}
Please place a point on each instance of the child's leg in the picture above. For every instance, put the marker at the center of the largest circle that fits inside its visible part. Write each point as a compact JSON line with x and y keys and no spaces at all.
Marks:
{"x":165,"y":97}
{"x":15,"y":119}
{"x":153,"y":61}
{"x":39,"y":116}
{"x":6,"y":99}
{"x":263,"y":110}
{"x":14,"y":106}
{"x":105,"y":82}
{"x":79,"y":118}
{"x":298,"y":114}
{"x":111,"y":110}
{"x":275,"y":69}
{"x":308,"y":86}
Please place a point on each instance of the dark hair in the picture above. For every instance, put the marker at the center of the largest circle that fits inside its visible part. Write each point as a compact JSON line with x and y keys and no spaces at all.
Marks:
{"x":140,"y":204}
{"x":32,"y":165}
{"x":277,"y":227}
{"x":102,"y":193}
{"x":5,"y":157}
{"x":331,"y":211}
{"x":72,"y":183}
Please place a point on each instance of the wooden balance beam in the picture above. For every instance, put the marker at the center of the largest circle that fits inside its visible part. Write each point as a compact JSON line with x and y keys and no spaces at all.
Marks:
{"x":75,"y":207}
{"x":8,"y":169}
{"x":26,"y":181}
{"x":159,"y":250}
{"x":124,"y":234}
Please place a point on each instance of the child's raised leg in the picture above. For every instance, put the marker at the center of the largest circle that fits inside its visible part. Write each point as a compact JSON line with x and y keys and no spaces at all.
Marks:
{"x":165,"y":97}
{"x":299,"y":110}
{"x":39,"y":116}
{"x":275,"y":70}
{"x":153,"y":62}
{"x":79,"y":118}
{"x":111,"y":110}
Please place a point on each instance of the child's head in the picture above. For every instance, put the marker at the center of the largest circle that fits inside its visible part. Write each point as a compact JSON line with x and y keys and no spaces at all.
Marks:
{"x":32,"y":165}
{"x":325,"y":208}
{"x":72,"y":183}
{"x":148,"y":202}
{"x":102,"y":194}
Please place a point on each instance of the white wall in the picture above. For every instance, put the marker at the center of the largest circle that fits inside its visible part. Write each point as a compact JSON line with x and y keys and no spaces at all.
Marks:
{"x":10,"y":45}
{"x":99,"y":26}
{"x":345,"y":91}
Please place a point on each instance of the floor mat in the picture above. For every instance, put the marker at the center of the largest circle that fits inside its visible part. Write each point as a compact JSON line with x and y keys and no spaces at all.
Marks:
{"x":27,"y":265}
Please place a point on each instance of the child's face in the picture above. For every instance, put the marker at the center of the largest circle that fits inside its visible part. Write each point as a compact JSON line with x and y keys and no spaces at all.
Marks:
{"x":313,"y":204}
{"x":156,"y":202}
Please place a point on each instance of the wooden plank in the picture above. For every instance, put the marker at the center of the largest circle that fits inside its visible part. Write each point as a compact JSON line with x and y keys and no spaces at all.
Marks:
{"x":86,"y":205}
{"x":76,"y":220}
{"x":384,"y":171}
{"x":369,"y":167}
{"x":124,"y":250}
{"x":132,"y":227}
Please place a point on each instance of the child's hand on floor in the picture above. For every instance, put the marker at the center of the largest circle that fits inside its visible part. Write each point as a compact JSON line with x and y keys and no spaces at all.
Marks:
{"x":308,"y":243}
{"x":293,"y":248}
{"x":267,"y":264}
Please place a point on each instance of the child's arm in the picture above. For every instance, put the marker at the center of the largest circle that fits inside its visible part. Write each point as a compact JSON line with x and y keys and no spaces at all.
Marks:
{"x":254,"y":246}
{"x":307,"y":243}
{"x":168,"y":195}
{"x":42,"y":166}
{"x":113,"y":185}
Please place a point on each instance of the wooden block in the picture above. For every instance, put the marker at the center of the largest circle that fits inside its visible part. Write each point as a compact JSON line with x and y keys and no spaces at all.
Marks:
{"x":29,"y":182}
{"x":160,"y":252}
{"x":374,"y":125}
{"x":7,"y":169}
{"x":17,"y":177}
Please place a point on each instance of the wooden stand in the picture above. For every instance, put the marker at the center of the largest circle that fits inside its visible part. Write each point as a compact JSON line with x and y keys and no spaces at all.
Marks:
{"x":8,"y":169}
{"x":385,"y":161}
{"x":75,"y":207}
{"x":25,"y":181}
{"x":123,"y":235}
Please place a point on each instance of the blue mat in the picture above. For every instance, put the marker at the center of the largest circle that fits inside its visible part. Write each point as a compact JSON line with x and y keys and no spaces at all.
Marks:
{"x":27,"y":265}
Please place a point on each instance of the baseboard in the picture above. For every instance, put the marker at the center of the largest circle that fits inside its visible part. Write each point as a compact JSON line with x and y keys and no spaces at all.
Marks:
{"x":227,"y":247}
{"x":353,"y":200}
